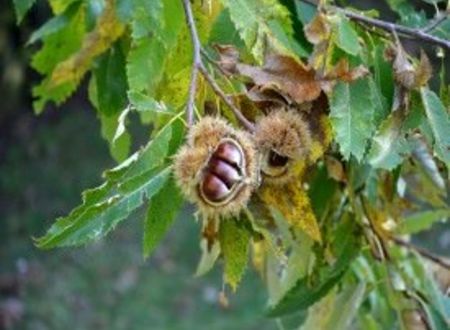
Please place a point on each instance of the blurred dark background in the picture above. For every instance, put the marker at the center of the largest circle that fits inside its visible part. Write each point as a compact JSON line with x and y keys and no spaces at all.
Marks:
{"x":45,"y":163}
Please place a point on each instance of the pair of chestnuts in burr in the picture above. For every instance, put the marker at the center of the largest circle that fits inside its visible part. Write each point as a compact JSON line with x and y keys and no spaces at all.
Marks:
{"x":219,"y":167}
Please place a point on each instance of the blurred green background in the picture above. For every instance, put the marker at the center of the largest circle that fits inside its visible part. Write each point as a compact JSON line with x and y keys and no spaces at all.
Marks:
{"x":45,"y":162}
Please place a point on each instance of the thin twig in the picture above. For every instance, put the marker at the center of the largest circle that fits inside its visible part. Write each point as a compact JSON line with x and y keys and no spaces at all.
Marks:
{"x":198,"y":66}
{"x":388,"y":26}
{"x":423,"y":252}
{"x":195,"y":64}
{"x":435,"y":22}
{"x":247,"y":124}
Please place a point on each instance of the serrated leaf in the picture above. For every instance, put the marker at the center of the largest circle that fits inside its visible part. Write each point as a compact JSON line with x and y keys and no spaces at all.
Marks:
{"x":389,"y":144}
{"x":54,"y":24}
{"x":251,"y":19}
{"x":94,"y":222}
{"x":58,"y":6}
{"x":439,"y":121}
{"x":145,"y":64}
{"x":153,"y":155}
{"x":292,"y":201}
{"x":22,"y":7}
{"x":147,"y":17}
{"x":223,"y":31}
{"x":126,"y":187}
{"x":111,"y":82}
{"x":351,"y":114}
{"x":346,"y":307}
{"x":107,"y":30}
{"x":311,"y":289}
{"x":119,"y":147}
{"x":234,"y":238}
{"x":164,"y":208}
{"x":156,"y":30}
{"x":418,"y":222}
{"x":346,"y":37}
{"x":57,"y":47}
{"x":144,"y":103}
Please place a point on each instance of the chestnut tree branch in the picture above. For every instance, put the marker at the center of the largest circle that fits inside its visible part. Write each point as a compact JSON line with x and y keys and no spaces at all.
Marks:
{"x":388,"y":26}
{"x":198,"y":66}
{"x":196,"y":61}
{"x":423,"y":252}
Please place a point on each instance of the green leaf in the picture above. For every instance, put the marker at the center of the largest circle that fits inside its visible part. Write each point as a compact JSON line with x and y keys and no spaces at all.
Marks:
{"x":126,"y":187}
{"x":55,"y":24}
{"x":418,"y":222}
{"x":145,"y":64}
{"x":57,"y":47}
{"x":22,"y":7}
{"x":305,"y":12}
{"x":155,"y":30}
{"x":88,"y":223}
{"x":147,"y":17}
{"x":389,"y":144}
{"x":346,"y":307}
{"x":352,"y":113}
{"x":152,"y":156}
{"x":439,"y":120}
{"x":381,"y":109}
{"x":311,"y":289}
{"x":223,"y":31}
{"x":111,"y":82}
{"x":251,"y":18}
{"x":118,"y":147}
{"x":145,"y":103}
{"x":164,"y":208}
{"x":346,"y":37}
{"x":234,"y":238}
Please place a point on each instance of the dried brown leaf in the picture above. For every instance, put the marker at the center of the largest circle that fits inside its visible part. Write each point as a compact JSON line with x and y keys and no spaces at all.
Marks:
{"x":335,"y":169}
{"x":318,"y":29}
{"x":228,"y":58}
{"x":286,"y":75}
{"x":423,"y":71}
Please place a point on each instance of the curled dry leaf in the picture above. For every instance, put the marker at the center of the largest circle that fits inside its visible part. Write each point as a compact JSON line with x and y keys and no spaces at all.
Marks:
{"x":229,"y":57}
{"x":335,"y":169}
{"x":284,"y":74}
{"x":318,"y":30}
{"x":405,"y":72}
{"x":284,"y":79}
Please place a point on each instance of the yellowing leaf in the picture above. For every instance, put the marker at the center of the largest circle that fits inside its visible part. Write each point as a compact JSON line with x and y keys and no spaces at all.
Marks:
{"x":107,"y":30}
{"x":294,"y":204}
{"x":318,"y":29}
{"x":234,"y":240}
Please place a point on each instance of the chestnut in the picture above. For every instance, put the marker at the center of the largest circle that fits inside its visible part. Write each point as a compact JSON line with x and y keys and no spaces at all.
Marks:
{"x":223,"y":173}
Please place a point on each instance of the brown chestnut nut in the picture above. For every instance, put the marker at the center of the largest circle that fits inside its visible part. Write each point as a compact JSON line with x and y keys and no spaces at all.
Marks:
{"x":223,"y":173}
{"x":217,"y":168}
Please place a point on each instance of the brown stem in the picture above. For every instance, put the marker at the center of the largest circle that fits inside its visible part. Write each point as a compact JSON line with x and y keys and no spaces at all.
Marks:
{"x":423,"y":252}
{"x":389,"y":27}
{"x":247,"y":124}
{"x":196,"y":61}
{"x":198,"y":66}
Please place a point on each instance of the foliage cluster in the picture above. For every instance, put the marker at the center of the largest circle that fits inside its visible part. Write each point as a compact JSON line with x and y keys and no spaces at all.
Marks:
{"x":336,"y":251}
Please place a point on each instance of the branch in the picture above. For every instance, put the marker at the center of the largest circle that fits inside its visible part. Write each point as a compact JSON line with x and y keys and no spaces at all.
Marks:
{"x":196,"y":61}
{"x":197,"y":65}
{"x":247,"y":124}
{"x":389,"y":27}
{"x":423,"y":252}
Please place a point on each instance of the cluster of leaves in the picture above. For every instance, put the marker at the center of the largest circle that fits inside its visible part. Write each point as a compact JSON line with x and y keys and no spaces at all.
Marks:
{"x":385,"y":174}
